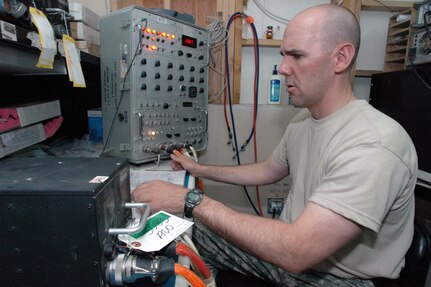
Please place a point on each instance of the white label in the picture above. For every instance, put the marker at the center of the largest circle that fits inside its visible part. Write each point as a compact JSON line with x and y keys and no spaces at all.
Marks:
{"x":160,"y":229}
{"x":99,"y":179}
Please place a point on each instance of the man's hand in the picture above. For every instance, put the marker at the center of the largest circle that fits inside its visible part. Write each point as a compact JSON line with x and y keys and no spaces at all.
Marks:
{"x":161,"y":195}
{"x":184,"y":162}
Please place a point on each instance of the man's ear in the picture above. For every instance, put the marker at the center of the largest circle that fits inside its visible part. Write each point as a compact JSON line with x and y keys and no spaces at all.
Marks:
{"x":344,"y":57}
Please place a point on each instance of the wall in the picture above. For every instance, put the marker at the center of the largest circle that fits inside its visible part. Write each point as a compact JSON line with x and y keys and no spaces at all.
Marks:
{"x":98,"y":6}
{"x":271,"y":125}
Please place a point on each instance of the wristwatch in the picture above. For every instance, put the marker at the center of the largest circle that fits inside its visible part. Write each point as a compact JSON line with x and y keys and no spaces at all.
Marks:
{"x":192,"y":199}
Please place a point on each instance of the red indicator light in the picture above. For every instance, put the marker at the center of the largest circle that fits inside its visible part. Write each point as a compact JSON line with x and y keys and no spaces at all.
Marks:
{"x":153,"y":48}
{"x":168,"y":35}
{"x":154,"y":31}
{"x":148,"y":30}
{"x":153,"y":38}
{"x":173,"y":36}
{"x":163,"y":34}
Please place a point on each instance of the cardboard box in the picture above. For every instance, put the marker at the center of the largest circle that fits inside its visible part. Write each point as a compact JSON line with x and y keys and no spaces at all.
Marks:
{"x":95,"y":125}
{"x":81,"y":13}
{"x":88,"y":47}
{"x":80,"y":31}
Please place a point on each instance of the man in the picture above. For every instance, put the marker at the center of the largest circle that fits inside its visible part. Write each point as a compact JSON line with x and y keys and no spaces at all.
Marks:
{"x":349,"y":214}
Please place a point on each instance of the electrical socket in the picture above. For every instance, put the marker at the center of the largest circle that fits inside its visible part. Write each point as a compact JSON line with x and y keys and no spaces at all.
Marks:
{"x":275,"y":203}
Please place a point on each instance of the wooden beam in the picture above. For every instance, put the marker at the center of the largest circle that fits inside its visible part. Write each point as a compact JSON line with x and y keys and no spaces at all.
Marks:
{"x":237,"y":55}
{"x":383,"y":5}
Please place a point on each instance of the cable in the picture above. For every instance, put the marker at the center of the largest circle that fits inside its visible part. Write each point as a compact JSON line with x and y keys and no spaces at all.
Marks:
{"x":235,"y":142}
{"x":184,"y":250}
{"x":191,"y":277}
{"x":138,"y":48}
{"x":271,"y":14}
{"x":189,"y":242}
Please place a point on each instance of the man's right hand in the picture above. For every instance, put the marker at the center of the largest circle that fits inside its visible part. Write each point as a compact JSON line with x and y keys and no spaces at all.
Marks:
{"x":184,"y":162}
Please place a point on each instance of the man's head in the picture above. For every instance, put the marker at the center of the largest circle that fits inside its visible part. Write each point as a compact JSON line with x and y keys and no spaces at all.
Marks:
{"x":319,"y":48}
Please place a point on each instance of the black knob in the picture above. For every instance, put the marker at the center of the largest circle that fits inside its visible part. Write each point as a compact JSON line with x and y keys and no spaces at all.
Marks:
{"x":201,"y":57}
{"x":192,"y":68}
{"x":192,"y":79}
{"x":165,"y":105}
{"x":180,"y":53}
{"x":201,"y":70}
{"x":169,"y":135}
{"x":189,"y":55}
{"x":177,"y":135}
{"x":157,"y":75}
{"x":201,"y":80}
{"x":157,"y":63}
{"x":170,"y":77}
{"x":169,"y":88}
{"x":170,"y":65}
{"x":201,"y":43}
{"x":157,"y":88}
{"x":183,"y":88}
{"x":143,"y":74}
{"x":201,"y":90}
{"x":181,"y":78}
{"x":143,"y":87}
{"x":181,"y":67}
{"x":144,"y":61}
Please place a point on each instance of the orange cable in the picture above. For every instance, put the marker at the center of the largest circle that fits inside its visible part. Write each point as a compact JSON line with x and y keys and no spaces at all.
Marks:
{"x":189,"y":275}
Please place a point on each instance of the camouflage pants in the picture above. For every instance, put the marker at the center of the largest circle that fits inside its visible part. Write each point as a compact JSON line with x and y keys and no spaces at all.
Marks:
{"x":219,"y":254}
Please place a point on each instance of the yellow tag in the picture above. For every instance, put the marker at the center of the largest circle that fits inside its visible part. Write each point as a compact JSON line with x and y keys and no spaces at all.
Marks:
{"x":72,"y":62}
{"x":47,"y":40}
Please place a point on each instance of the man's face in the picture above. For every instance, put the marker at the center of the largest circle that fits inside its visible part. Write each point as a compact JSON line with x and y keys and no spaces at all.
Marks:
{"x":306,"y":65}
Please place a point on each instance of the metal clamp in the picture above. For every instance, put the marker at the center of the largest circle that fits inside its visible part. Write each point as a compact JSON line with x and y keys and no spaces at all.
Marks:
{"x":141,"y":223}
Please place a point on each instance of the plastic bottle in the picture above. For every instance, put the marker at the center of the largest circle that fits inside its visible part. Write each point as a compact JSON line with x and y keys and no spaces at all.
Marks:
{"x":274,"y":87}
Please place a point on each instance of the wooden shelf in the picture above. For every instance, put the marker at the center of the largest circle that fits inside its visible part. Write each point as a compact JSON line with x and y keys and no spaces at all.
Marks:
{"x":262,"y":43}
{"x":397,"y":41}
{"x":396,"y":49}
{"x":366,"y":73}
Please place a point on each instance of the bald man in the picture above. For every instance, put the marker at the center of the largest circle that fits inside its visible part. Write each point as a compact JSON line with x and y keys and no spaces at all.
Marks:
{"x":349,"y":214}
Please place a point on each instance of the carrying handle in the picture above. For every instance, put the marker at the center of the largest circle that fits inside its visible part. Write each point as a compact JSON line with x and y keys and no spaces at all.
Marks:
{"x":142,"y":222}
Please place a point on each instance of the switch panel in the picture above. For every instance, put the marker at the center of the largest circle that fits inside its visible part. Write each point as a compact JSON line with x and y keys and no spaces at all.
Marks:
{"x":154,"y":71}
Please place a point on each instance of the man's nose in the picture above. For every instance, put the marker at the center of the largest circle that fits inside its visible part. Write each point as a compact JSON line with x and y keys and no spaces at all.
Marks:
{"x":285,"y":69}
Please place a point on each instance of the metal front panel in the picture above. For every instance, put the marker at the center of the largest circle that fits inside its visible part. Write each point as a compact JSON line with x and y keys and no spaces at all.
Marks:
{"x":163,"y":100}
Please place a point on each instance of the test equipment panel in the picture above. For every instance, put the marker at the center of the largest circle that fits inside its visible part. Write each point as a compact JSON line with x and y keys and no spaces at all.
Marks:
{"x":154,"y":71}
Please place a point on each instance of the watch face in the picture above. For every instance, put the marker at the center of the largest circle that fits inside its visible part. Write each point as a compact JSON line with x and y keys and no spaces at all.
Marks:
{"x":194,"y":196}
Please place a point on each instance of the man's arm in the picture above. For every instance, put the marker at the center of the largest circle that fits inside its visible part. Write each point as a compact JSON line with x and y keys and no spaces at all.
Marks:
{"x":316,"y":233}
{"x":314,"y":236}
{"x":268,"y":171}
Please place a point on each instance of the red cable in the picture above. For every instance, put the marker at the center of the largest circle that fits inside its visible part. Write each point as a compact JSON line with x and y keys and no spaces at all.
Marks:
{"x":184,"y":250}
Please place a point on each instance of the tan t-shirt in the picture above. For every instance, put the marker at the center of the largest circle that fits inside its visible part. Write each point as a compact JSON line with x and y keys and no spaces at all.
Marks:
{"x":362,"y":165}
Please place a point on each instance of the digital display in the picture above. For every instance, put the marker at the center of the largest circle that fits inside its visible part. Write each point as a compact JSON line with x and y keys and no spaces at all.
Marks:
{"x":189,"y":41}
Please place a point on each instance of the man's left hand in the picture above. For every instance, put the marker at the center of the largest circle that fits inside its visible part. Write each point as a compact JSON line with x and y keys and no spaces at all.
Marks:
{"x":161,"y":195}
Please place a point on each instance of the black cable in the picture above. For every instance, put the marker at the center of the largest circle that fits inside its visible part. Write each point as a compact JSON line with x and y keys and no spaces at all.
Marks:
{"x":139,"y":46}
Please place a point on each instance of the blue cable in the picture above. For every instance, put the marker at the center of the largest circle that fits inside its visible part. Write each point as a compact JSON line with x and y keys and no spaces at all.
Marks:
{"x":253,"y":28}
{"x":230,"y":106}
